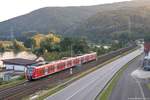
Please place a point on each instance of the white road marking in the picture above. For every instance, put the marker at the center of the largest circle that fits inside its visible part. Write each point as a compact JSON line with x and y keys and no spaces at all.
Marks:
{"x":105,"y":75}
{"x":140,"y":87}
{"x":88,"y":84}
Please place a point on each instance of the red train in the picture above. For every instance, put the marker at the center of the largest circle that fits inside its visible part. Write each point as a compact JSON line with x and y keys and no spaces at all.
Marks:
{"x":36,"y":72}
{"x":146,"y":48}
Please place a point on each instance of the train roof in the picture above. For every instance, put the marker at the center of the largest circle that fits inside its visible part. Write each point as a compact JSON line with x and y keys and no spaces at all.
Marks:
{"x":63,"y":60}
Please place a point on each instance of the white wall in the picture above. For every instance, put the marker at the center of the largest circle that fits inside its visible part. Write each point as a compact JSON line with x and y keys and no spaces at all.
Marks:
{"x":16,"y":67}
{"x":8,"y":66}
{"x":1,"y":64}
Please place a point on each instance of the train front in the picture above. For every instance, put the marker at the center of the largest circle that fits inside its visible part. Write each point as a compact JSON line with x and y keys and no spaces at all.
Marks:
{"x":29,"y":73}
{"x":146,"y":62}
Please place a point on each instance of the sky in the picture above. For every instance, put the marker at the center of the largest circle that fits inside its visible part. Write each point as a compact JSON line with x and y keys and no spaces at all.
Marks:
{"x":13,"y":8}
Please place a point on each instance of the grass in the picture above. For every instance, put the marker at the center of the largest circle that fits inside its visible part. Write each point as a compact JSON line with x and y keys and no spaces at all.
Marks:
{"x":104,"y":95}
{"x":68,"y":81}
{"x":8,"y":84}
{"x":148,"y":85}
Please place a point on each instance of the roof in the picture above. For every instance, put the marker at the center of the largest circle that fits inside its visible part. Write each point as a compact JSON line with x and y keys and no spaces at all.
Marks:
{"x":19,"y":61}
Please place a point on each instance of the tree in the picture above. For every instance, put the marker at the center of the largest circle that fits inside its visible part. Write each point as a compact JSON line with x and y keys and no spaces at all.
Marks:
{"x":46,"y":44}
{"x":18,"y":46}
{"x":30,"y":43}
{"x":116,"y":46}
{"x":2,"y":49}
{"x":38,"y":51}
{"x":80,"y":45}
{"x":101,"y":50}
{"x":49,"y":45}
{"x":66,"y":43}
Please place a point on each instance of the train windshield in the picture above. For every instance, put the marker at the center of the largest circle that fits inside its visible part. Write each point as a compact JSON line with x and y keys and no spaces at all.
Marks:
{"x":147,"y":63}
{"x":30,"y":70}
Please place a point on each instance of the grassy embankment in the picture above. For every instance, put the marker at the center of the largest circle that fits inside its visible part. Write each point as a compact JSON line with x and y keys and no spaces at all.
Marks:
{"x":148,"y":85}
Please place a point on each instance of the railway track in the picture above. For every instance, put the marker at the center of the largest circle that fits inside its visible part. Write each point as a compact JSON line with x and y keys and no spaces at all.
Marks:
{"x":28,"y":88}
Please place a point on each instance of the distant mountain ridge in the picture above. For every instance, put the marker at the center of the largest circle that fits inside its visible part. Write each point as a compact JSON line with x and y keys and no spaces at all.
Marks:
{"x":107,"y":24}
{"x":90,"y":21}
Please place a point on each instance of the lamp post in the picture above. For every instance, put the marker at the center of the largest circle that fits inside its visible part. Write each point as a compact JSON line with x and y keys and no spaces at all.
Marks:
{"x":71,"y":72}
{"x":71,"y":50}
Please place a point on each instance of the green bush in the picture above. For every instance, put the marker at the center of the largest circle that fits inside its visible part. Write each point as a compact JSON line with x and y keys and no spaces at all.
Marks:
{"x":21,"y":77}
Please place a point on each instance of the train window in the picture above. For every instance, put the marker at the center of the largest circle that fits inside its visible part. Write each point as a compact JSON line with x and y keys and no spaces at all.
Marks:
{"x":69,"y":62}
{"x":74,"y":60}
{"x":42,"y":71}
{"x":51,"y":68}
{"x":61,"y":65}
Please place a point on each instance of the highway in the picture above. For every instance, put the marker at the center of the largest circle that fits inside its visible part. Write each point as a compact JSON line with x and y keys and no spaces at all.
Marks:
{"x":88,"y":87}
{"x":130,"y":87}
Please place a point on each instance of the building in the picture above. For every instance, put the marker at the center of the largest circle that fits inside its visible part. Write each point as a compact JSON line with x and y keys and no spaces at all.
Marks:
{"x":18,"y":64}
{"x":1,"y":64}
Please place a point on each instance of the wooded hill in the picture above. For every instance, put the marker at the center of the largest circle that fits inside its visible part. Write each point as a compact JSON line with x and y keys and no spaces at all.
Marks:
{"x":101,"y":22}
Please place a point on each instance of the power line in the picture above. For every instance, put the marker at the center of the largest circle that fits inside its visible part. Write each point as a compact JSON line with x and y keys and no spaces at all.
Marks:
{"x":12,"y":33}
{"x":129,"y":24}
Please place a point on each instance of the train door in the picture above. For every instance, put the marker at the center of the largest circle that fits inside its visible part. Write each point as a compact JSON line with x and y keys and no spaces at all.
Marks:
{"x":70,"y":63}
{"x":82,"y":59}
{"x":29,"y":73}
{"x":46,"y":70}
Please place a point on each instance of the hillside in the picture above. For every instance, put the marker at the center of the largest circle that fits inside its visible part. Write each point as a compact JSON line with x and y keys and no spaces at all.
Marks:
{"x":109,"y":24}
{"x":90,"y":21}
{"x":44,"y":20}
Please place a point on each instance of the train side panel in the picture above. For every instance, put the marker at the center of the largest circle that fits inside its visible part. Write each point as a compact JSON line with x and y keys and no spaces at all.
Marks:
{"x":76,"y":61}
{"x":60,"y":65}
{"x":39,"y":72}
{"x":51,"y":69}
{"x":69,"y":63}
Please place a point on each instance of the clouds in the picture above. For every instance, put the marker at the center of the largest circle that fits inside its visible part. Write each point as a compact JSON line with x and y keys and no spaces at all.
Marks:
{"x":12,"y":8}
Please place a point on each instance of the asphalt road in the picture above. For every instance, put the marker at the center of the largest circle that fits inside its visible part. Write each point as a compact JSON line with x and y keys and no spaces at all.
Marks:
{"x":129,"y":87}
{"x":88,"y":87}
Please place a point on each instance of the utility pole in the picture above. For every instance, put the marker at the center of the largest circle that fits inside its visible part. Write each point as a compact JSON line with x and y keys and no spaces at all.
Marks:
{"x":71,"y":72}
{"x":12,"y":34}
{"x":71,"y":50}
{"x":129,"y":24}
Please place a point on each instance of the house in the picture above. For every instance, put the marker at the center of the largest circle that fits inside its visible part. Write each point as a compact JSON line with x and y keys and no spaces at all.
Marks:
{"x":1,"y":64}
{"x":18,"y":64}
